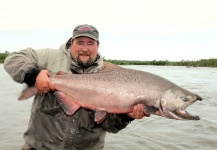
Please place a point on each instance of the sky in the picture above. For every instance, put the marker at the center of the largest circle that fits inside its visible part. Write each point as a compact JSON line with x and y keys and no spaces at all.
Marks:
{"x":171,"y":30}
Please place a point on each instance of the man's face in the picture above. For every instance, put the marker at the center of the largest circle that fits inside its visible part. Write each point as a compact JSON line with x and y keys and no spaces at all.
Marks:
{"x":84,"y":51}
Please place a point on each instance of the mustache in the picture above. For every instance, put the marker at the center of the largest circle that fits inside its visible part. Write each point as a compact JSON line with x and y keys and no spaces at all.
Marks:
{"x":84,"y":53}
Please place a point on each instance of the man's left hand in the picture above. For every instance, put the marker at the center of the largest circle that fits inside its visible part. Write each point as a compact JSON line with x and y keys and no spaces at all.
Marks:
{"x":138,"y":112}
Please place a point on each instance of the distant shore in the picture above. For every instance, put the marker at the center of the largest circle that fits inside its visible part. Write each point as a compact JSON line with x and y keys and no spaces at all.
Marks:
{"x":212,"y":62}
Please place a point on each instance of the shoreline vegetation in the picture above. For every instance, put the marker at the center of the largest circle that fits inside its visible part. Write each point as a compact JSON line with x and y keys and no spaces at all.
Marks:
{"x":212,"y":62}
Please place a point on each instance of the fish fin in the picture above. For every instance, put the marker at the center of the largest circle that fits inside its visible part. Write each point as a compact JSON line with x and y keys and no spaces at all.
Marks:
{"x":100,"y":116}
{"x":28,"y":92}
{"x":60,"y":73}
{"x":66,"y":102}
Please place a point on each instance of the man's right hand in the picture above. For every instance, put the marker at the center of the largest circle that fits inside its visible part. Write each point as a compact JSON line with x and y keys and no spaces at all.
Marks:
{"x":43,"y":83}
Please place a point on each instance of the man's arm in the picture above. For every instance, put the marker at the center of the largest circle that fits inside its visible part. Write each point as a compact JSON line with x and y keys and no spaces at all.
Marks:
{"x":17,"y":64}
{"x":23,"y":67}
{"x":116,"y":122}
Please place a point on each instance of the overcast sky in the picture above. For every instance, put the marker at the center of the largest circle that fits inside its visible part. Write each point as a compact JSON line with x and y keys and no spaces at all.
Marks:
{"x":129,"y":29}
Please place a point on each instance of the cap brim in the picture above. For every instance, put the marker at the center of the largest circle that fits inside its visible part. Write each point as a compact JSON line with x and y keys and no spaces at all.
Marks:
{"x":87,"y":35}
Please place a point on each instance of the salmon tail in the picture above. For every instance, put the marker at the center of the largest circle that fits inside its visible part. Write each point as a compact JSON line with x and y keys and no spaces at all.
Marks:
{"x":100,"y":116}
{"x":66,"y":102}
{"x":28,"y":92}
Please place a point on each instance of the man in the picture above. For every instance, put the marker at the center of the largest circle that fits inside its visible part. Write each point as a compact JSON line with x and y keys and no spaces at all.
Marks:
{"x":49,"y":127}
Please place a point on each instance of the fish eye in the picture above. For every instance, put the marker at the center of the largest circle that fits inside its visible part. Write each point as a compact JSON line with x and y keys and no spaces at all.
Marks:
{"x":185,"y":99}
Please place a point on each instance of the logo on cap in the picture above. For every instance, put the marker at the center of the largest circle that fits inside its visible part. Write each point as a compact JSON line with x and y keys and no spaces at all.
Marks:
{"x":85,"y":28}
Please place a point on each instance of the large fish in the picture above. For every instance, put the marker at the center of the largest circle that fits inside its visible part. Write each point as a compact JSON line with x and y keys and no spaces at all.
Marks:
{"x":118,"y":91}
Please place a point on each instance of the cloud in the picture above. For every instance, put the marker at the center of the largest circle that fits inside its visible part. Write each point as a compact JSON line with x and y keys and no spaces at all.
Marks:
{"x":129,"y":29}
{"x":114,"y":16}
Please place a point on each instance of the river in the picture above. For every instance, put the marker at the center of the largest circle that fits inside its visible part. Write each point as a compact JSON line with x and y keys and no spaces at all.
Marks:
{"x":151,"y":133}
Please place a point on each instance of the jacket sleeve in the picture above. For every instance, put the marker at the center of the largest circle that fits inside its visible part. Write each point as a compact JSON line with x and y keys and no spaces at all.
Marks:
{"x":116,"y":122}
{"x":23,"y":66}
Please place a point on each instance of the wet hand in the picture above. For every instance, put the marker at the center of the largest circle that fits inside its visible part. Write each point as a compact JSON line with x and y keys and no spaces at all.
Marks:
{"x":43,"y":83}
{"x":138,"y":112}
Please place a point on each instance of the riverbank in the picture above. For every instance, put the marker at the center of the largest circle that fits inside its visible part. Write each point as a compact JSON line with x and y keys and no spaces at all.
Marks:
{"x":198,"y":63}
{"x":212,"y":62}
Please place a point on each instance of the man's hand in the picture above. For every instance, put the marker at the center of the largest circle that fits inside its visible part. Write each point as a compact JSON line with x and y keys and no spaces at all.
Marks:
{"x":138,"y":112}
{"x":43,"y":83}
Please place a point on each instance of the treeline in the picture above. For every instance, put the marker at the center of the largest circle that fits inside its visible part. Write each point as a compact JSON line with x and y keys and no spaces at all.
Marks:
{"x":199,"y":63}
{"x":3,"y":56}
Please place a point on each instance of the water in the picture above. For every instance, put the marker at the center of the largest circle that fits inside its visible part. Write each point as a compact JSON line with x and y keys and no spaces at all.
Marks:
{"x":152,"y":133}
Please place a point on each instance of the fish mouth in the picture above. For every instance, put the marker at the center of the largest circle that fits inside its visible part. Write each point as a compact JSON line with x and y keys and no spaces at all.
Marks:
{"x":180,"y":113}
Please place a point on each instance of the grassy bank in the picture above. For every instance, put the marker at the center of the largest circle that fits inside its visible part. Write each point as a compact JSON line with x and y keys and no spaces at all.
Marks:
{"x":199,"y":63}
{"x":2,"y":57}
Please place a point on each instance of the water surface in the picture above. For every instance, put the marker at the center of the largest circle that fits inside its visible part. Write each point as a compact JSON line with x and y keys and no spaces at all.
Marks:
{"x":152,"y":133}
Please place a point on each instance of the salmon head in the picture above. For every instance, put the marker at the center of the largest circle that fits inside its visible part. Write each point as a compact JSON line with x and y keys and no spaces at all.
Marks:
{"x":173,"y":103}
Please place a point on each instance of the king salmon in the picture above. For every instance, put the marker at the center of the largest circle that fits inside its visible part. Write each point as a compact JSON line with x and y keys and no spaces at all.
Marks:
{"x":118,"y":91}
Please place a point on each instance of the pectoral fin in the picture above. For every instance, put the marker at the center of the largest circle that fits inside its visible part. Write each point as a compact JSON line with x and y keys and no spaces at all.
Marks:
{"x":67,"y":103}
{"x":100,"y":116}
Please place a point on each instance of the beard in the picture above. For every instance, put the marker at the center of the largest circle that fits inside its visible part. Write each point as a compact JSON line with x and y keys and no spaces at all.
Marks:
{"x":85,"y":64}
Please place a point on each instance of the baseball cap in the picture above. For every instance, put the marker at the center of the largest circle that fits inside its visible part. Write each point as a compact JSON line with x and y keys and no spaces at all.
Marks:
{"x":86,"y":30}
